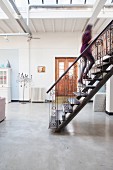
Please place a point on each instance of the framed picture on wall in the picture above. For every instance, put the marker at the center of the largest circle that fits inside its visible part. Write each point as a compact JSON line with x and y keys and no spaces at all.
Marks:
{"x":41,"y":69}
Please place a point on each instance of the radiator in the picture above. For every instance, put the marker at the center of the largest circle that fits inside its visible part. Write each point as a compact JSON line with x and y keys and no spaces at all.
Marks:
{"x":38,"y":94}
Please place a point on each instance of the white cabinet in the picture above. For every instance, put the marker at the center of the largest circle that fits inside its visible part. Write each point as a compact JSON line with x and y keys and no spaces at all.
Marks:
{"x":5,"y":83}
{"x":5,"y":77}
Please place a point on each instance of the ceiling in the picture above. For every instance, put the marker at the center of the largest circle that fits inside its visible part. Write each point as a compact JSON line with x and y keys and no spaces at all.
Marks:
{"x":26,"y":16}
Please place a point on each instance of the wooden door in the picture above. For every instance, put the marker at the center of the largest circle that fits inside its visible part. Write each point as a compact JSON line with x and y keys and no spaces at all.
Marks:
{"x":68,"y":84}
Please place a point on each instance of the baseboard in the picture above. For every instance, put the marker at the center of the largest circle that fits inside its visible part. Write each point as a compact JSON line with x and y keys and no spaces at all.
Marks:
{"x":20,"y":101}
{"x":109,"y":113}
{"x":14,"y":100}
{"x":38,"y":102}
{"x":48,"y":101}
{"x":26,"y":101}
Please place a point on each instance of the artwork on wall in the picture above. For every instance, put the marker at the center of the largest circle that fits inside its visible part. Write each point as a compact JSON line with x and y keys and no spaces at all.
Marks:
{"x":41,"y":69}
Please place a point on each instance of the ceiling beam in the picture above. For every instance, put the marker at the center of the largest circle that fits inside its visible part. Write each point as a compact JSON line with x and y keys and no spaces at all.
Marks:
{"x":20,"y":19}
{"x":12,"y":14}
{"x":9,"y":12}
{"x":96,"y":10}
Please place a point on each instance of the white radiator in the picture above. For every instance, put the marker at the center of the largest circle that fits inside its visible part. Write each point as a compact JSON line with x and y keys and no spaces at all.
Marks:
{"x":38,"y":94}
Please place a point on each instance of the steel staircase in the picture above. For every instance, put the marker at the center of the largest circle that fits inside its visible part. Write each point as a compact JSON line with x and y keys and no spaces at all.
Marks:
{"x":61,"y":113}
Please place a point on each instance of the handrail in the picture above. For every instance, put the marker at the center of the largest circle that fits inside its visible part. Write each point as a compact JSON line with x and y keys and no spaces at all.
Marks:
{"x":78,"y":58}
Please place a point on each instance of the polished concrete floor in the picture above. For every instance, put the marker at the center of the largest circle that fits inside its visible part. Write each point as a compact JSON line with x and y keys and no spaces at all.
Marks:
{"x":26,"y":143}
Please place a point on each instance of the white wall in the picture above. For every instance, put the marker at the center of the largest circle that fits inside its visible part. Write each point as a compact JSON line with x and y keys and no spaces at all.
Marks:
{"x":42,"y":52}
{"x":12,"y":56}
{"x":109,"y":95}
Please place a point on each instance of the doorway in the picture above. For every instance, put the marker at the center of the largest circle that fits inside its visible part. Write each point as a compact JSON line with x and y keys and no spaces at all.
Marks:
{"x":68,"y":84}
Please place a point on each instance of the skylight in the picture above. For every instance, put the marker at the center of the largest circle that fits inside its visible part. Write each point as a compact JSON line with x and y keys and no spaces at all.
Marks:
{"x":25,"y":3}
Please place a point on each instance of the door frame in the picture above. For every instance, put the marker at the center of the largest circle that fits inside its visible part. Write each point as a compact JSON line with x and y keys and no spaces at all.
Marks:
{"x":63,"y":57}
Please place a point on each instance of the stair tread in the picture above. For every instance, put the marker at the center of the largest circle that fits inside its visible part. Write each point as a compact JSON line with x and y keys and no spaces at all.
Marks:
{"x":107,"y":58}
{"x":94,"y":80}
{"x":90,"y":86}
{"x":74,"y":101}
{"x":100,"y":72}
{"x":106,"y":64}
{"x":88,"y":79}
{"x":80,"y":94}
{"x":99,"y":79}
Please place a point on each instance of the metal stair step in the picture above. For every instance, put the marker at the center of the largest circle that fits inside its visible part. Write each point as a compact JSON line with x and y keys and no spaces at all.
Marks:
{"x":100,"y":72}
{"x":97,"y":79}
{"x":89,"y":79}
{"x":104,"y":65}
{"x":74,"y":101}
{"x":107,"y":58}
{"x":89,"y":87}
{"x":80,"y":94}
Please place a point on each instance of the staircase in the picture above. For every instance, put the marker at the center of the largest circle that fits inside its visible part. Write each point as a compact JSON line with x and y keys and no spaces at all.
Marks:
{"x":62,"y":113}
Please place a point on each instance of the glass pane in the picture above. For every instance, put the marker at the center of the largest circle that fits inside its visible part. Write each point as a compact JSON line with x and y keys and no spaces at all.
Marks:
{"x":49,"y":2}
{"x":90,"y":1}
{"x":21,"y":3}
{"x":71,"y":70}
{"x":70,"y":63}
{"x":1,"y":80}
{"x":4,"y":72}
{"x":61,"y":65}
{"x":63,"y":1}
{"x":108,"y":2}
{"x":4,"y":79}
{"x":77,"y":1}
{"x":1,"y":73}
{"x":61,"y":72}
